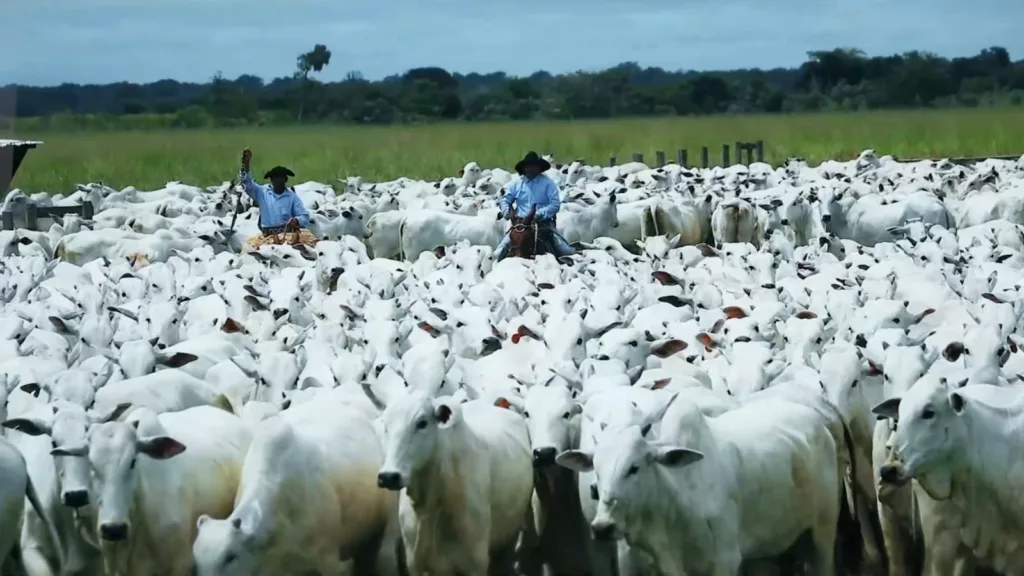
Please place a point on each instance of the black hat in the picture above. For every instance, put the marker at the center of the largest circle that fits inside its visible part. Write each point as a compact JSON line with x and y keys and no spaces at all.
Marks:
{"x":532,"y":158}
{"x":278,"y":171}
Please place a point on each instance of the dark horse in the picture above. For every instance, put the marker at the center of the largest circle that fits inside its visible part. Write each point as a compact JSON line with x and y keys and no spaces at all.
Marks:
{"x":524,"y":236}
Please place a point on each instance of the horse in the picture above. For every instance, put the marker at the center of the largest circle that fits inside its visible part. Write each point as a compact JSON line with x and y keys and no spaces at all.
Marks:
{"x":524,"y":237}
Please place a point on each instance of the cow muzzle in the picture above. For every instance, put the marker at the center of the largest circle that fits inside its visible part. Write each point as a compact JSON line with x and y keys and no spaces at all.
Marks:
{"x":893,"y":474}
{"x":604,"y":530}
{"x":826,"y":218}
{"x":114,"y":531}
{"x":75,"y":498}
{"x":544,"y":457}
{"x":390,"y":480}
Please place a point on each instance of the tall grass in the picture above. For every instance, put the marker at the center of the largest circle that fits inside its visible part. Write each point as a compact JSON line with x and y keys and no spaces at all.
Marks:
{"x":148,"y":159}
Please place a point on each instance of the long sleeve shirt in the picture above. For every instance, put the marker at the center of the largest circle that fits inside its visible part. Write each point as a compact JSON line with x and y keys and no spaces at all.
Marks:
{"x":525,"y":193}
{"x":275,"y":209}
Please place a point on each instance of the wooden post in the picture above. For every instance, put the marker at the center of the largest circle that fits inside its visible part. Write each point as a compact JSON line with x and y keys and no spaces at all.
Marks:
{"x":659,"y":158}
{"x":611,"y":160}
{"x":760,"y":150}
{"x":739,"y":152}
{"x":704,"y":157}
{"x":725,"y":156}
{"x":681,"y":153}
{"x":31,"y":216}
{"x":8,"y":220}
{"x":87,"y":210}
{"x":638,"y":157}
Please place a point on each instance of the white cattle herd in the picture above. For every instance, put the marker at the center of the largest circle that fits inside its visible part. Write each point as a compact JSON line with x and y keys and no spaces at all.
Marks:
{"x":743,"y":370}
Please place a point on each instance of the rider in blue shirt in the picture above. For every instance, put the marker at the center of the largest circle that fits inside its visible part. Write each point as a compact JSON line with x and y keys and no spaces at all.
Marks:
{"x":534,"y":189}
{"x":280,"y":207}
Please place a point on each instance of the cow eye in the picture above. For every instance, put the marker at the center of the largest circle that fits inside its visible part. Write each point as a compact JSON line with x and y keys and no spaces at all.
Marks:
{"x":579,"y":341}
{"x":967,"y":351}
{"x":632,"y":470}
{"x":593,"y":492}
{"x":567,"y":415}
{"x":817,"y":340}
{"x":928,"y":414}
{"x":633,"y":344}
{"x":133,"y":463}
{"x":421,"y":424}
{"x":526,"y":414}
{"x":853,"y":384}
{"x":459,"y":324}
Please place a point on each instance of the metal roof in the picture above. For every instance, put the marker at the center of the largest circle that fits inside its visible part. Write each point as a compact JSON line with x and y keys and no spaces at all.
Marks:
{"x":27,"y":143}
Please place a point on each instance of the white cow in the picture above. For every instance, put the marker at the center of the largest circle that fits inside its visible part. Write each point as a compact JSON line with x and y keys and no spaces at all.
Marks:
{"x":154,"y":477}
{"x":466,"y":477}
{"x":724,"y":479}
{"x":308,"y":496}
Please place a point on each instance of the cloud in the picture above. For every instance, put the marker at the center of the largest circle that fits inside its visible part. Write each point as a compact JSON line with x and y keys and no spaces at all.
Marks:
{"x":56,"y":41}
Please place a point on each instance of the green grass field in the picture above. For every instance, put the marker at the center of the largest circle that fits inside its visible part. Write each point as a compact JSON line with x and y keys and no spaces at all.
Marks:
{"x":149,"y":159}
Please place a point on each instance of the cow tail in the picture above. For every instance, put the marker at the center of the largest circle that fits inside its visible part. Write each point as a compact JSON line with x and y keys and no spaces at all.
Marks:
{"x":51,"y":531}
{"x":648,"y":225}
{"x":849,"y":541}
{"x":401,"y":241}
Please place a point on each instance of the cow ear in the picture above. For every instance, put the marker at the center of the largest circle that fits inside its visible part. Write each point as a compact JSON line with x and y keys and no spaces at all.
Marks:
{"x":677,"y":457}
{"x":160,"y":447}
{"x":446,"y":413}
{"x":30,"y":426}
{"x":576,"y":460}
{"x":180,"y":359}
{"x":888,"y":409}
{"x":956,"y":401}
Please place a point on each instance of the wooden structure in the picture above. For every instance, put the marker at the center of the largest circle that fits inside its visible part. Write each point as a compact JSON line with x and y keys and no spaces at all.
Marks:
{"x":12,"y":154}
{"x":22,"y":212}
{"x":754,"y":152}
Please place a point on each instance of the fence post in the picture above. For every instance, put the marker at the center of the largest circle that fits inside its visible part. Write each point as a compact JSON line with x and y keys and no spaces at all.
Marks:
{"x":8,"y":220}
{"x":611,"y":160}
{"x":87,"y":210}
{"x":682,"y":157}
{"x":725,"y":156}
{"x":638,"y":157}
{"x":739,"y":152}
{"x":703,"y":156}
{"x":760,"y":150}
{"x":659,"y":158}
{"x":31,"y":216}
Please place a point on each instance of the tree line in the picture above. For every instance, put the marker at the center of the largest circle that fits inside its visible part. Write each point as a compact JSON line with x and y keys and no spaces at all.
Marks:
{"x":833,"y":80}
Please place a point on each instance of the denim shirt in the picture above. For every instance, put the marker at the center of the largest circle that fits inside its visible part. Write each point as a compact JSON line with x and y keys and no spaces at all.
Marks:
{"x":275,"y":209}
{"x":541,"y":191}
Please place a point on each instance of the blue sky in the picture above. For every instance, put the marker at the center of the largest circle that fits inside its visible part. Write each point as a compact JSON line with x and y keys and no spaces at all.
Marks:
{"x":53,"y":41}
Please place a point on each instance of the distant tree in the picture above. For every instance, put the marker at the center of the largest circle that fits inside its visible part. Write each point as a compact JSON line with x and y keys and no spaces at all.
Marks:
{"x":834,"y":79}
{"x":313,"y":61}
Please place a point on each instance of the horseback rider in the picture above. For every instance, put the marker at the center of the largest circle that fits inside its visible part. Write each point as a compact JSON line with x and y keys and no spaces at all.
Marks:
{"x":281,"y":209}
{"x":534,"y":190}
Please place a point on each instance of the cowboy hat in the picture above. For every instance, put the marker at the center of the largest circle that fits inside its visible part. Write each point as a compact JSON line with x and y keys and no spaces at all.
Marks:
{"x":278,"y":171}
{"x":532,"y":158}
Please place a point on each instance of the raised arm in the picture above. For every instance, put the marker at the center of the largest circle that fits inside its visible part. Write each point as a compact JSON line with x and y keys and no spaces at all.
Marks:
{"x":249,"y":185}
{"x":251,"y":188}
{"x":550,"y":208}
{"x":299,"y":211}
